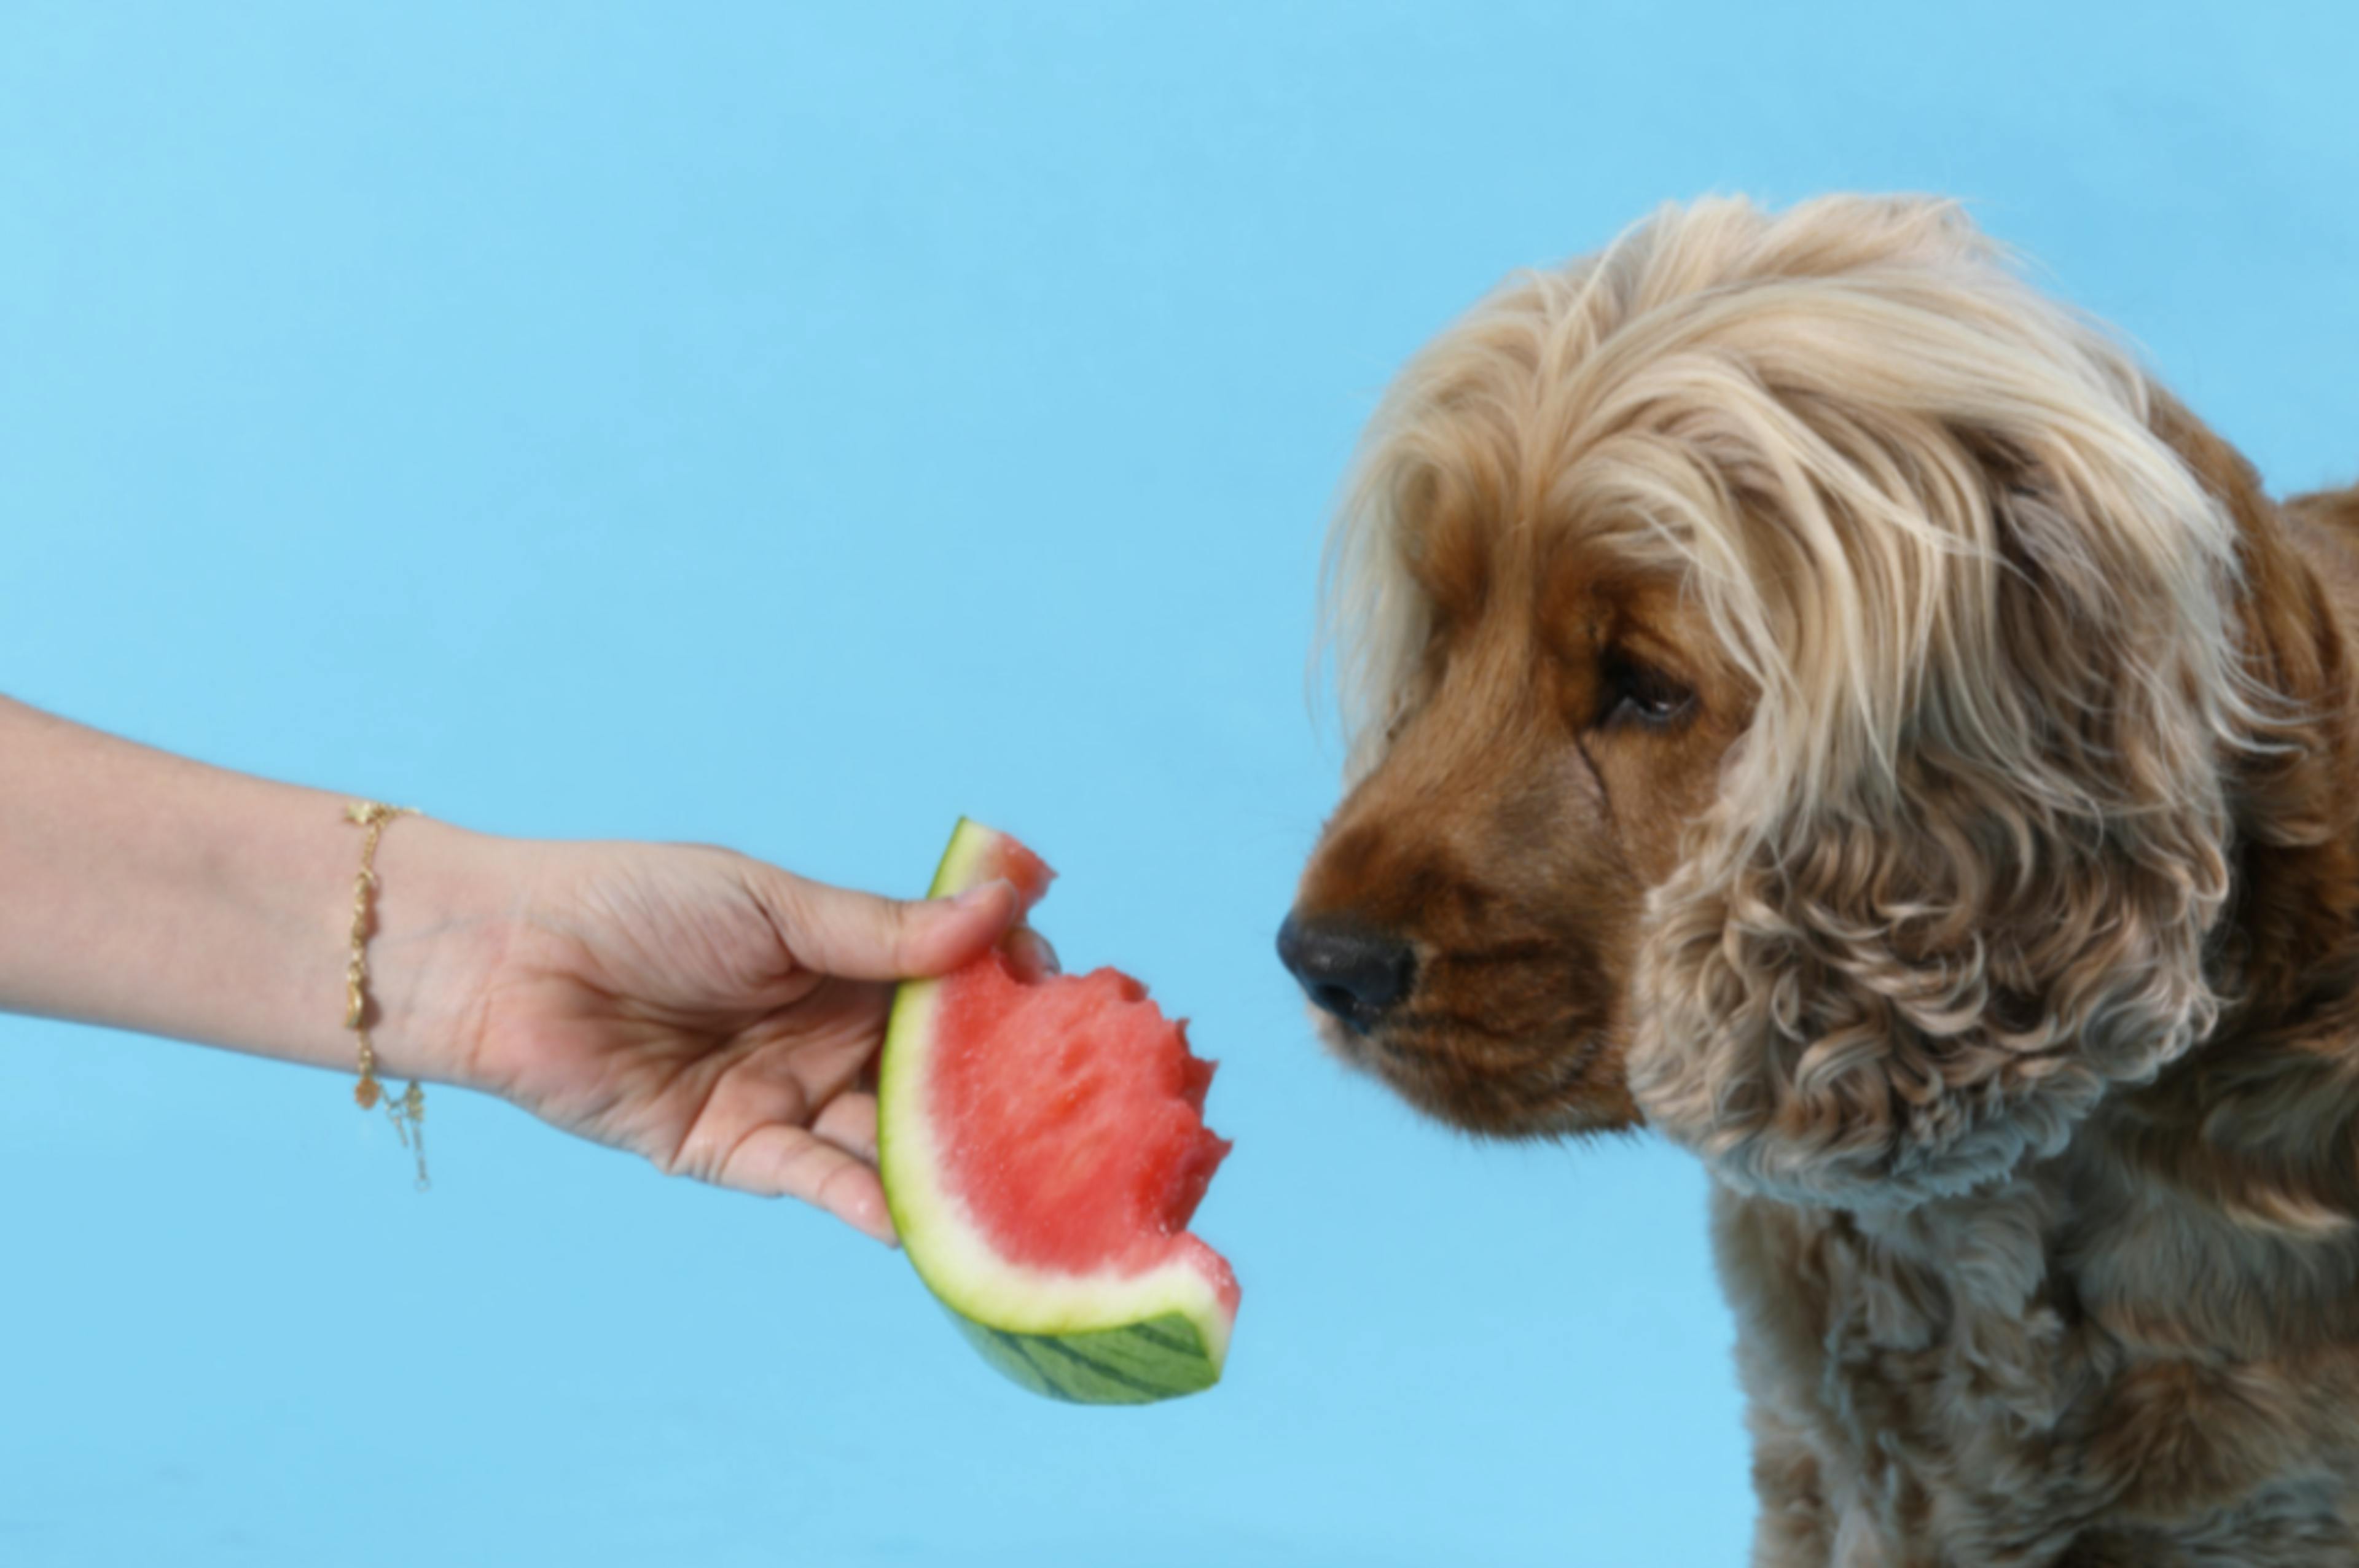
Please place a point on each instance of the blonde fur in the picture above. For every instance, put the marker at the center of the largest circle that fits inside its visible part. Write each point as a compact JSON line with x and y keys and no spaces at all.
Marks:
{"x":1797,"y":415}
{"x":2029,"y":753}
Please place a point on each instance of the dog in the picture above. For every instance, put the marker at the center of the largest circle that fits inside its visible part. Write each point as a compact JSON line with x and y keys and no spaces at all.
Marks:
{"x":1815,"y":696}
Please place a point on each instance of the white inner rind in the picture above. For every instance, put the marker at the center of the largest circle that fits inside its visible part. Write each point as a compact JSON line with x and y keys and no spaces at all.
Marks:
{"x":942,"y":1237}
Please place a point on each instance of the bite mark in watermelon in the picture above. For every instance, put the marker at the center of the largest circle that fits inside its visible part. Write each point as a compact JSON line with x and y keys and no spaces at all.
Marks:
{"x":1043,"y":1147}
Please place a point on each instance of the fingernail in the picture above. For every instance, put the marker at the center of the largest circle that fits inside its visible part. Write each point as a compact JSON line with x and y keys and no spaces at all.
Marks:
{"x":1030,"y":952}
{"x":981,"y":893}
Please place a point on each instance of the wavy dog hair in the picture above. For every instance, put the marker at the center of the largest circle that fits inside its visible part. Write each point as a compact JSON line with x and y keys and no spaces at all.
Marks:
{"x":1962,"y":864}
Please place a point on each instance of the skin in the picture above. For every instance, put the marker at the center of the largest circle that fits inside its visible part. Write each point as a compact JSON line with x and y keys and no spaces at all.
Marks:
{"x":714,"y":1014}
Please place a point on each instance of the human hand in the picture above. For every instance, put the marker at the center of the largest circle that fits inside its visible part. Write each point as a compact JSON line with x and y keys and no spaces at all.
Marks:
{"x":716,"y":1015}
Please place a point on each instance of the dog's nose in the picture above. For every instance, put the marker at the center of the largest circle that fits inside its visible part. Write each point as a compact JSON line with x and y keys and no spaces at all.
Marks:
{"x":1353,"y":971}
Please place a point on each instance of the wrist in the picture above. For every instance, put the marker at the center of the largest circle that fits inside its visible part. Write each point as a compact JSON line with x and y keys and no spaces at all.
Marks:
{"x":446,"y":902}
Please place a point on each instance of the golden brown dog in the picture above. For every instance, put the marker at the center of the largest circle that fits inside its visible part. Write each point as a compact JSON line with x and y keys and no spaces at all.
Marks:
{"x":1819,"y":698}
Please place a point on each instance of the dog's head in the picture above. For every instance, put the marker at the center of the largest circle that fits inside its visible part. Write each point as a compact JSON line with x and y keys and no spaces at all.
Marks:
{"x":1789,"y":679}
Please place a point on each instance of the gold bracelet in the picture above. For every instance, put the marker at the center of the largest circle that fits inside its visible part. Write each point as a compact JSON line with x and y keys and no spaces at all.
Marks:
{"x":408,"y":1112}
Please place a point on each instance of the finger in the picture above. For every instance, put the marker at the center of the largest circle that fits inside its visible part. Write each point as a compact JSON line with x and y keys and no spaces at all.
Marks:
{"x":1029,"y":954}
{"x":863,"y":936}
{"x":787,"y":1161}
{"x":849,"y":1121}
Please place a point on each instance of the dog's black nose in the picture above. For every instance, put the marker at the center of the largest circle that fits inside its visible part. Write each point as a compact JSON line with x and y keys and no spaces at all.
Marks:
{"x":1353,"y":971}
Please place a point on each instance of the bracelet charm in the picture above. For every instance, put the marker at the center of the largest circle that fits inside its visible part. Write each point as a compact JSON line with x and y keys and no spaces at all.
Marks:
{"x":408,"y":1112}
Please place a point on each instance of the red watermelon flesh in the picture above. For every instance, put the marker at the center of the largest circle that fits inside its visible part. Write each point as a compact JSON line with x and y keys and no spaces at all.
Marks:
{"x":1043,"y":1142}
{"x":1071,"y":1110}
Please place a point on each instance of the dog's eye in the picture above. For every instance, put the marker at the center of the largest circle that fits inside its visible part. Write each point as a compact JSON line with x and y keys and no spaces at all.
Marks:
{"x":1640,"y":695}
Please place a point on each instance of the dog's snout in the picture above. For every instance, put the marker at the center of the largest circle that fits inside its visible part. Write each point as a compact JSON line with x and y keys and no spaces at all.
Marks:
{"x":1353,"y":971}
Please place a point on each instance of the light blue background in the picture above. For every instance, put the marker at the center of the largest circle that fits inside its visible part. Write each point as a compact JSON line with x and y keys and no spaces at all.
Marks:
{"x":792,"y":429}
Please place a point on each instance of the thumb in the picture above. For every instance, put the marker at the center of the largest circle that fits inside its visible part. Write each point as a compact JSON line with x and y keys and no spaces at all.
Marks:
{"x":865,"y":936}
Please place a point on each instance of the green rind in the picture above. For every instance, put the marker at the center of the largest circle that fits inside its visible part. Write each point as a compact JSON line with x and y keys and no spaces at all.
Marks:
{"x":963,"y":859}
{"x":1136,"y":1364}
{"x":1162,"y":1351}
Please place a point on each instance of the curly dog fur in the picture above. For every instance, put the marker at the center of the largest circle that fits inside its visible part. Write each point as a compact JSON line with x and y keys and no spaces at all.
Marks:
{"x":1817,"y":697}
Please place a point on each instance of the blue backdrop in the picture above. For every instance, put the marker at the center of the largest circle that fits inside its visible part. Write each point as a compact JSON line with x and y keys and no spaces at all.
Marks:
{"x":793,"y":428}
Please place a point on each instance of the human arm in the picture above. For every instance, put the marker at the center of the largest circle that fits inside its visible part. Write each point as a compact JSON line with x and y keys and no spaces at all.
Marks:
{"x":710,"y":1012}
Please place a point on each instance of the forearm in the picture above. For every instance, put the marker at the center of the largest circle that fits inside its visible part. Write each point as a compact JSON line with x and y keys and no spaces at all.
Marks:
{"x":146,"y":892}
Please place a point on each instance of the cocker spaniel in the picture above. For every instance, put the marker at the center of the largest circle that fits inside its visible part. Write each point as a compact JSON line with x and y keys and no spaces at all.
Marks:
{"x":1817,"y":697}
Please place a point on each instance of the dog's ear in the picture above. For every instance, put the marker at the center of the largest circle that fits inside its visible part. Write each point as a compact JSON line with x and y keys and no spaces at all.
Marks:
{"x":1894,"y":985}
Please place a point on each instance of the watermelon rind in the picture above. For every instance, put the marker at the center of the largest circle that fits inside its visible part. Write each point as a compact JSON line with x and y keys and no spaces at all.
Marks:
{"x":1089,"y":1339}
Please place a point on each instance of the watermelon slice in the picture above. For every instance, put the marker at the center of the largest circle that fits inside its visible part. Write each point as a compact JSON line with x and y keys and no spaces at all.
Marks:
{"x":1043,"y":1147}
